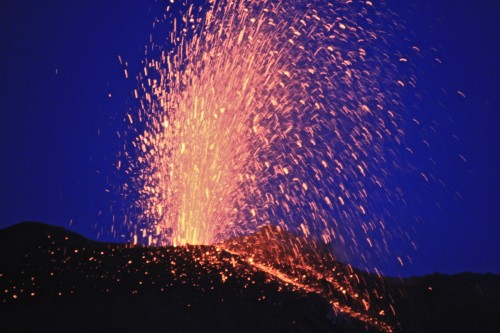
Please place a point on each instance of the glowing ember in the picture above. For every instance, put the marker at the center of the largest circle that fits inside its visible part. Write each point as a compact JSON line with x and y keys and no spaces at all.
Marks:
{"x":285,"y":113}
{"x":268,"y":112}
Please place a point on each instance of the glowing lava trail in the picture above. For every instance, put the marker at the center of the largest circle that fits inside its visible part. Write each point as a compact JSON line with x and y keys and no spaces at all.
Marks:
{"x":258,"y":112}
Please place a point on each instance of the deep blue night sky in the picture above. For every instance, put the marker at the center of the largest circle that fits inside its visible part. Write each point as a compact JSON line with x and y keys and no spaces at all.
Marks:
{"x":64,"y":96}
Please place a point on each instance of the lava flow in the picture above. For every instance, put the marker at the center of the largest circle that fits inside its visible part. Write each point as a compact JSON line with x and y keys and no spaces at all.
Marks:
{"x":285,"y":113}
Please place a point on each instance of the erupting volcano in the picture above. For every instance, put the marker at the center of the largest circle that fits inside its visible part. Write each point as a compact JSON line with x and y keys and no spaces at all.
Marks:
{"x":285,"y":113}
{"x":278,"y":161}
{"x":268,"y":112}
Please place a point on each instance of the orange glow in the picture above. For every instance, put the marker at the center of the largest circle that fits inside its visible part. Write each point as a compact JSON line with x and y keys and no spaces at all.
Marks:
{"x":235,"y":112}
{"x":261,"y":113}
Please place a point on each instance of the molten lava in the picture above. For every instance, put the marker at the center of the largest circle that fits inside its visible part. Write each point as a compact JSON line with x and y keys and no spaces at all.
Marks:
{"x":272,"y":112}
{"x":256,"y":112}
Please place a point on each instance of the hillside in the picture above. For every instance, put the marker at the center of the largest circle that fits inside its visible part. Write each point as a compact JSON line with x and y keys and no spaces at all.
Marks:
{"x":272,"y":281}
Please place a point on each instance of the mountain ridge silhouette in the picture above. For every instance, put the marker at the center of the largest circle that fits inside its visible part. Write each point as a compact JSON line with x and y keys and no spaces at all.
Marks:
{"x":54,"y":279}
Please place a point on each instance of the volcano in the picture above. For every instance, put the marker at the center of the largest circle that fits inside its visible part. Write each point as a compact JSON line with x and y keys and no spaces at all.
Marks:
{"x":55,"y":280}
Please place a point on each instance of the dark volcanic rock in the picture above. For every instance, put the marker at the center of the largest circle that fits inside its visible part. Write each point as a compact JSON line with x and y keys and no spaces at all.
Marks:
{"x":53,"y":280}
{"x":26,"y":237}
{"x":56,"y":281}
{"x":462,"y":303}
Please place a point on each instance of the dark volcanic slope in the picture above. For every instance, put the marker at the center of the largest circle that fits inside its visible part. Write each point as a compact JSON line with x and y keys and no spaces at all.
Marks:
{"x":27,"y":237}
{"x":463,"y":303}
{"x":54,"y":280}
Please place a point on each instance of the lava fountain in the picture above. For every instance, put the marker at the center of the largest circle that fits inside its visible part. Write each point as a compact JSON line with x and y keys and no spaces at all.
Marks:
{"x":269,"y":112}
